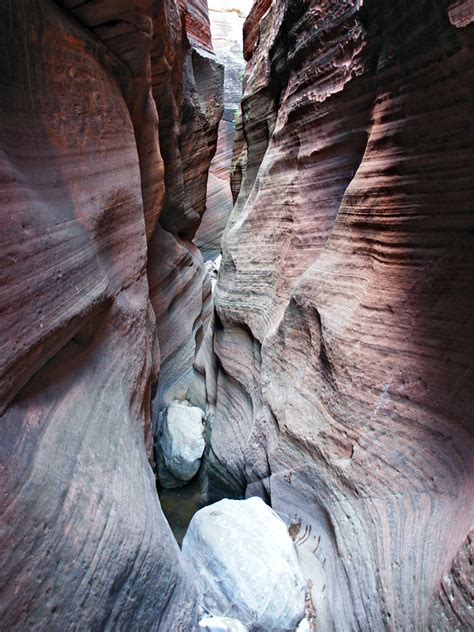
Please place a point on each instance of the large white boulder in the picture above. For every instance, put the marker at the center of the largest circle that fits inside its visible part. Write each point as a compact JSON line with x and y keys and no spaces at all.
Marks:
{"x":221,"y":624}
{"x":303,"y":626}
{"x":245,"y":565}
{"x":181,"y":444}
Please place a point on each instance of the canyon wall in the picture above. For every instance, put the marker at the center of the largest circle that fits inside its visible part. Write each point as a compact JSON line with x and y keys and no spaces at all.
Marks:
{"x":187,"y":84}
{"x":109,"y":122}
{"x":344,"y":328}
{"x":227,"y":20}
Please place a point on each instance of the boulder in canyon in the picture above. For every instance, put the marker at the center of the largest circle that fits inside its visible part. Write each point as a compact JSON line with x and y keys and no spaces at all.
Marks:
{"x":303,"y":626}
{"x":181,"y":444}
{"x":245,"y":564}
{"x":221,"y":624}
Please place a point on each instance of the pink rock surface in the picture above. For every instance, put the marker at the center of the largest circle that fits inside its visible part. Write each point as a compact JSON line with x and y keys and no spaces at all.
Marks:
{"x":227,"y":18}
{"x":126,"y":29}
{"x":345,"y":332}
{"x":252,"y":26}
{"x":180,"y":294}
{"x":85,"y":171}
{"x":198,"y":28}
{"x":187,"y":87}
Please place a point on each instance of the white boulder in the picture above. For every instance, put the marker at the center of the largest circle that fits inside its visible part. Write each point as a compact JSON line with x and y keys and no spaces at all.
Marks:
{"x":221,"y":624}
{"x":181,"y":444}
{"x":303,"y":626}
{"x":245,"y":565}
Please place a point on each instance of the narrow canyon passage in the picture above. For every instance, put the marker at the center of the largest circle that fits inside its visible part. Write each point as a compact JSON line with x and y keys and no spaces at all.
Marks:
{"x":180,"y":499}
{"x":236,"y":310}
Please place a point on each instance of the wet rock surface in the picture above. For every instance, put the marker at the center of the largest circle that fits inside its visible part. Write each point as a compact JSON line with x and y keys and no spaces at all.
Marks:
{"x":245,"y":565}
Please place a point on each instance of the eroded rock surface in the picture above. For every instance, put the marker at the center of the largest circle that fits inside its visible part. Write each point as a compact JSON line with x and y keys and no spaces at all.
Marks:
{"x":187,"y":83}
{"x":344,"y":330}
{"x":95,"y":97}
{"x":227,"y":19}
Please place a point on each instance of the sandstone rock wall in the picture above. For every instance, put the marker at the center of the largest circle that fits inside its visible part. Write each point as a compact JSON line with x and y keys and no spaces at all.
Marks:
{"x":187,"y":84}
{"x":344,"y":332}
{"x":107,"y":107}
{"x":227,"y":19}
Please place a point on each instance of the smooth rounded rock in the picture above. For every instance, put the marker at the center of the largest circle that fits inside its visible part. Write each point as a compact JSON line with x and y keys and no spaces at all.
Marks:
{"x":221,"y":624}
{"x":245,"y":564}
{"x":303,"y":626}
{"x":181,"y":443}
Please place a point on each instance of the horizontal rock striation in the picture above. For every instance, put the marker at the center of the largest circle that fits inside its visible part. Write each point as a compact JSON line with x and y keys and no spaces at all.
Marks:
{"x":252,"y":26}
{"x":219,"y":200}
{"x":344,"y":330}
{"x":227,"y":18}
{"x":197,"y":24}
{"x":187,"y":84}
{"x":107,"y":109}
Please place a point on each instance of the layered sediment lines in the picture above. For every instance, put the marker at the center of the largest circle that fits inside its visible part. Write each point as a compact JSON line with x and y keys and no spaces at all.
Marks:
{"x":344,"y":332}
{"x":227,"y":19}
{"x":106,"y":108}
{"x":187,"y":84}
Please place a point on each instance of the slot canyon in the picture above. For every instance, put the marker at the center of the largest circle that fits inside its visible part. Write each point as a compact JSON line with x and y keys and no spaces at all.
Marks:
{"x":237,"y":315}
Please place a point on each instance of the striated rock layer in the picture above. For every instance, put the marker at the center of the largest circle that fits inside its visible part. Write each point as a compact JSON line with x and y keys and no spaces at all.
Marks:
{"x":227,"y":19}
{"x":187,"y":84}
{"x":108,"y":108}
{"x":344,"y":332}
